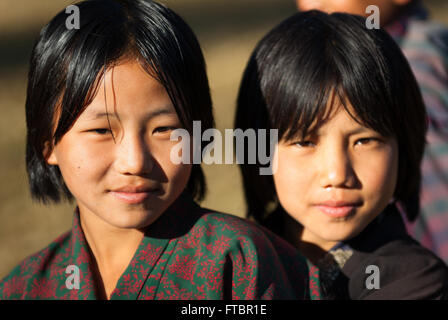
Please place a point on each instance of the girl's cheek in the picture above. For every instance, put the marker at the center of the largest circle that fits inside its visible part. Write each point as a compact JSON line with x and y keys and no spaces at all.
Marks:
{"x":89,"y":158}
{"x":390,"y":169}
{"x":161,"y":155}
{"x":379,"y":171}
{"x":290,"y":176}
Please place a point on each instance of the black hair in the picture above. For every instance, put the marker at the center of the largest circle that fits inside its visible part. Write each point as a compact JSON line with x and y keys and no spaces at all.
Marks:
{"x":66,"y":65}
{"x":306,"y":60}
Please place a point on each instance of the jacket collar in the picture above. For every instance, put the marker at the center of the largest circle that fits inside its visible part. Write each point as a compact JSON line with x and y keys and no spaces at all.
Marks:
{"x":176,"y":221}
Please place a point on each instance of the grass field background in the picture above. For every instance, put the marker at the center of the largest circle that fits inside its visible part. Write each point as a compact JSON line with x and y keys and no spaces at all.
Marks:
{"x":227,"y":30}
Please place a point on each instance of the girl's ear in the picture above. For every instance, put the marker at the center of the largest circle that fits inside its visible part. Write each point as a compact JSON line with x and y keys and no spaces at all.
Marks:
{"x":50,"y":158}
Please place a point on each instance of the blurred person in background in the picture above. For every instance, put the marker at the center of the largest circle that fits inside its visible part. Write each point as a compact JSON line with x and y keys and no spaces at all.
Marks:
{"x":425,"y":45}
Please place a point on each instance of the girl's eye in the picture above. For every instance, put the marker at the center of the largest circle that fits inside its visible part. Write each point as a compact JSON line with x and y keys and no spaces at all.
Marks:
{"x":364,"y":141}
{"x":163,"y":129}
{"x":100,"y":131}
{"x":304,"y":144}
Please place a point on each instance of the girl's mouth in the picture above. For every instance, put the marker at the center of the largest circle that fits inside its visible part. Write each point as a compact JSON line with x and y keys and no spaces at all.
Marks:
{"x":337,"y":212}
{"x":338,"y":209}
{"x":131,"y":197}
{"x":134,"y":197}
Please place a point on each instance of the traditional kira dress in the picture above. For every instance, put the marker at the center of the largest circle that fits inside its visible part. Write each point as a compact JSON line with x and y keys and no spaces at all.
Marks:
{"x":404,"y":269}
{"x":188,"y":253}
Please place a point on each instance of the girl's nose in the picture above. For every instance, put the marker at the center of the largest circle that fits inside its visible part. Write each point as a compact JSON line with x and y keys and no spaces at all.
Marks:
{"x":134,"y":156}
{"x":336,"y":168}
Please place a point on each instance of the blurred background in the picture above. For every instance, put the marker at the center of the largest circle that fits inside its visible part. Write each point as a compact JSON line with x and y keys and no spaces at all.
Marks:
{"x":227,"y":31}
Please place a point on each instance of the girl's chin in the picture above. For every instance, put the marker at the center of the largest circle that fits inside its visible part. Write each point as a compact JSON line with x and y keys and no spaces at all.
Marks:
{"x":332,"y":238}
{"x":133,"y":221}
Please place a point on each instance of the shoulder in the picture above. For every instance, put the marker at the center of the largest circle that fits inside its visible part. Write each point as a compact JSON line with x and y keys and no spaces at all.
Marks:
{"x":426,"y":48}
{"x":425,"y":45}
{"x":34,"y":271}
{"x":429,"y":34}
{"x":405,"y":270}
{"x":219,"y":225}
{"x":252,"y":249}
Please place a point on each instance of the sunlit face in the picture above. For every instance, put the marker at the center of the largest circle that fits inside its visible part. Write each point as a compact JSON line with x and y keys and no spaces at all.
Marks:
{"x":336,"y":180}
{"x":129,"y":182}
{"x":387,"y":7}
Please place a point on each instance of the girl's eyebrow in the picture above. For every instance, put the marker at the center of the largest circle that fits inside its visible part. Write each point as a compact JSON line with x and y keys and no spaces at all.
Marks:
{"x":359,"y":129}
{"x":319,"y":132}
{"x":147,"y":116}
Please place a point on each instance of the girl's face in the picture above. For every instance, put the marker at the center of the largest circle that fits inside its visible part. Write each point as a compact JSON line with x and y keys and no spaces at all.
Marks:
{"x":336,"y":180}
{"x":387,"y":7}
{"x":129,"y":182}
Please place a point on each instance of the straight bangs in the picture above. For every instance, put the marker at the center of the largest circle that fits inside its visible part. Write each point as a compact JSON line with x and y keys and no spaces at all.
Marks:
{"x":324,"y":71}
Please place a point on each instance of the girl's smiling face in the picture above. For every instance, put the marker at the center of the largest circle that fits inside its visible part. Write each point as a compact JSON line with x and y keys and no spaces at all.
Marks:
{"x":117,"y":163}
{"x":337,"y":179}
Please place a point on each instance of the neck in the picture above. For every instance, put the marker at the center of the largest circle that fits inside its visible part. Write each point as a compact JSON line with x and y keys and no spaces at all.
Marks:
{"x":107,"y":241}
{"x":303,"y":240}
{"x":112,"y":247}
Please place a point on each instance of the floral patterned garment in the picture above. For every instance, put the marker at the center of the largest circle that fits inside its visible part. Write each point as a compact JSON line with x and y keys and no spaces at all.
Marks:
{"x":188,"y":253}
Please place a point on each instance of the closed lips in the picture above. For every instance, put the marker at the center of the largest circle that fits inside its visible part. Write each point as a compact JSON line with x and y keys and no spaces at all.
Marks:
{"x":135,"y":189}
{"x":338,"y":204}
{"x":337,"y":209}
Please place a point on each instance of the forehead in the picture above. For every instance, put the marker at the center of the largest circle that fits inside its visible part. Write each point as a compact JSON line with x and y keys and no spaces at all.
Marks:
{"x":336,"y":113}
{"x":129,"y":80}
{"x":337,"y":116}
{"x":128,"y":89}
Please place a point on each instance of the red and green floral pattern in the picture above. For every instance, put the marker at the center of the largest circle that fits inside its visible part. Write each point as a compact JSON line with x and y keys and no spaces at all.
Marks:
{"x":188,"y":253}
